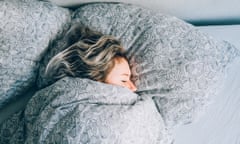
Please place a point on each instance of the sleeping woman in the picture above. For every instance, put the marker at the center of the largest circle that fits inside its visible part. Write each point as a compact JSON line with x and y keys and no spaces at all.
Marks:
{"x":95,"y":56}
{"x":74,"y":110}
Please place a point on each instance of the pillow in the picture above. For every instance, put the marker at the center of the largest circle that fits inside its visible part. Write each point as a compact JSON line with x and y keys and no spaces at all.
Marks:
{"x":171,"y":61}
{"x":26,"y":27}
{"x":64,"y":40}
{"x":199,"y":12}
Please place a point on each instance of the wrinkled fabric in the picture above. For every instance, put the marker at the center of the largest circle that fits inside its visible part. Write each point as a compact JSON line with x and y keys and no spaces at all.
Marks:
{"x":26,"y":29}
{"x":171,"y":60}
{"x":172,"y":63}
{"x":82,"y":111}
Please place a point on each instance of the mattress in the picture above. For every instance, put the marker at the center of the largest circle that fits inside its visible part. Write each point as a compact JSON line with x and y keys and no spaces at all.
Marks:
{"x":220,"y":124}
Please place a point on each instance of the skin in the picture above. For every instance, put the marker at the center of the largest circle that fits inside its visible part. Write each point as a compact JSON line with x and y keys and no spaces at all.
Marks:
{"x":120,"y":74}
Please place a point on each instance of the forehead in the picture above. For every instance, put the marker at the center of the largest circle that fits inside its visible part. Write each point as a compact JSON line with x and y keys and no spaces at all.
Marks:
{"x":121,"y":66}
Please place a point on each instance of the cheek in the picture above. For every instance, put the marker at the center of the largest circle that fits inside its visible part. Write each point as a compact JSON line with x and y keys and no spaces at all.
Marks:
{"x":112,"y":80}
{"x":115,"y":83}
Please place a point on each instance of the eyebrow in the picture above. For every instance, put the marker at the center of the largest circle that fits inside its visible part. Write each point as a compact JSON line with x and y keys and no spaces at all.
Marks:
{"x":125,"y":74}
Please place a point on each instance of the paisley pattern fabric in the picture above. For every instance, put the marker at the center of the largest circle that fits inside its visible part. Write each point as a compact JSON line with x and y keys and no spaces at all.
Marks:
{"x":175,"y":67}
{"x":26,"y":28}
{"x":12,"y":130}
{"x":75,"y":110}
{"x":56,"y":46}
{"x":171,"y":61}
{"x":82,"y":111}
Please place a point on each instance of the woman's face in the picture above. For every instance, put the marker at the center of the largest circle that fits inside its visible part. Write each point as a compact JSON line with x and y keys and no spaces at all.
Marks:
{"x":120,"y":74}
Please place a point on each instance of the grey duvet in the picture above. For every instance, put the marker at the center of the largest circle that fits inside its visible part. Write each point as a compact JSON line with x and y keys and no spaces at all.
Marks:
{"x":82,"y":111}
{"x":176,"y":68}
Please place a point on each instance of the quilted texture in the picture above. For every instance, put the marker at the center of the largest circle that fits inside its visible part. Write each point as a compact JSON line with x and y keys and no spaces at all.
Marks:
{"x":171,"y":61}
{"x":26,"y":27}
{"x":75,"y":110}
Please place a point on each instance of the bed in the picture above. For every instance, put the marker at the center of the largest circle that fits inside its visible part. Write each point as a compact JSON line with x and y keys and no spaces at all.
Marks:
{"x":187,"y":76}
{"x":220,"y":124}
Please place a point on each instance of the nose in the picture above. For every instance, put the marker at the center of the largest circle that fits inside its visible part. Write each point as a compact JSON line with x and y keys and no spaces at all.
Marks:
{"x":131,"y":86}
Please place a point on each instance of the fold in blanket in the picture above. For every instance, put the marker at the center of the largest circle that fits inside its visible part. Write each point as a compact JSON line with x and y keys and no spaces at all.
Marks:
{"x":81,"y":111}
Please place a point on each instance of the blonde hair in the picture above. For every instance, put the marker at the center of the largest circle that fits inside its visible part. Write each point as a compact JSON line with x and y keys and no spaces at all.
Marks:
{"x":92,"y":56}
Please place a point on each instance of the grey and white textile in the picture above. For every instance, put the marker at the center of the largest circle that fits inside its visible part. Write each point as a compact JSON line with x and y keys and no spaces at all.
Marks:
{"x":176,"y":67}
{"x":82,"y":111}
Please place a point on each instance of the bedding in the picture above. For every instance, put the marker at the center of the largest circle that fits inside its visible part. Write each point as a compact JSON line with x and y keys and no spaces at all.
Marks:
{"x":171,"y":60}
{"x":75,"y":110}
{"x":84,"y":111}
{"x":26,"y":28}
{"x":220,"y":123}
{"x":228,"y":33}
{"x":177,"y":69}
{"x":199,"y":12}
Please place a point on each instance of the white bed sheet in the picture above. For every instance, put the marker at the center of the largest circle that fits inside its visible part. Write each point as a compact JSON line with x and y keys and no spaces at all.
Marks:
{"x":229,"y":33}
{"x":221,"y":122}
